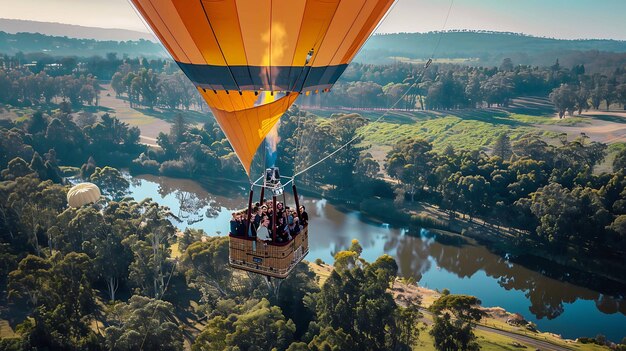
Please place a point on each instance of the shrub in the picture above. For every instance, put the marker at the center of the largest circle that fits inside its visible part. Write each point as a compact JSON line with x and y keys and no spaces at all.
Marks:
{"x":384,"y":210}
{"x":145,"y":166}
{"x":425,"y":221}
{"x":173,"y":168}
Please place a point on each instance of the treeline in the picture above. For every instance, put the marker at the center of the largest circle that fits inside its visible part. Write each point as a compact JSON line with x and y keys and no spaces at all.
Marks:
{"x":446,"y":86}
{"x":148,"y":88}
{"x":69,"y":139}
{"x":63,"y":46}
{"x":102,"y":67}
{"x":551,"y":192}
{"x":23,"y":88}
{"x":159,"y":83}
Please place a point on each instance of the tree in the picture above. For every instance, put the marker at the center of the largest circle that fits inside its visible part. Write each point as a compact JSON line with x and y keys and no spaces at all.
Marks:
{"x":261,"y":327}
{"x":35,"y":205}
{"x":564,"y":99}
{"x":455,"y":334}
{"x":474,"y":194}
{"x":410,"y":161}
{"x":65,"y":305}
{"x":110,"y":181}
{"x":332,"y":339}
{"x":150,"y":248}
{"x":88,"y":168}
{"x":27,"y":281}
{"x":619,"y":163}
{"x":356,"y":301}
{"x":570,"y":217}
{"x":178,"y":129}
{"x":506,"y":65}
{"x":502,"y":147}
{"x":17,"y":168}
{"x":207,"y":262}
{"x":143,"y":323}
{"x":619,"y":226}
{"x":37,"y":165}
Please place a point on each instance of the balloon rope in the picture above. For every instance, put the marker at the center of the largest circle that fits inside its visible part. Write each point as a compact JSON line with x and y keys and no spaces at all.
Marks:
{"x":369,"y":125}
{"x":299,"y":142}
{"x":430,"y":60}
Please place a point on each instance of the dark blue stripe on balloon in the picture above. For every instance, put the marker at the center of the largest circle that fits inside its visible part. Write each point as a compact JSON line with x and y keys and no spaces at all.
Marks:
{"x":285,"y":78}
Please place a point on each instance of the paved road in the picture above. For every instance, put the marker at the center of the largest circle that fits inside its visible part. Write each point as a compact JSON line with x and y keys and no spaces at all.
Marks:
{"x":538,"y":344}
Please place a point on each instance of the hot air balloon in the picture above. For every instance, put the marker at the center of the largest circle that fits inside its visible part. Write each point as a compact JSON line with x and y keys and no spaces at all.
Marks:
{"x":82,"y":194}
{"x":251,"y":59}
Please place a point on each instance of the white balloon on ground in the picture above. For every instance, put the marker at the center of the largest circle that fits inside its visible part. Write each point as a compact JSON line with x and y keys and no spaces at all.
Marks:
{"x":82,"y":194}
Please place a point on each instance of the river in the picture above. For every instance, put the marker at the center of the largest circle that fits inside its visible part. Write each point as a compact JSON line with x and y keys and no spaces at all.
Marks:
{"x":436,"y":262}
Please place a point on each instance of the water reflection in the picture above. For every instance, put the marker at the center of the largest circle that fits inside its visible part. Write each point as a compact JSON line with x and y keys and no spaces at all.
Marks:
{"x":435,"y":260}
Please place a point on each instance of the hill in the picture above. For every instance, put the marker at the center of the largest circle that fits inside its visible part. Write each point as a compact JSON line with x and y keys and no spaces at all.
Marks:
{"x":483,"y":48}
{"x":64,"y":46}
{"x":475,"y":48}
{"x":13,"y":26}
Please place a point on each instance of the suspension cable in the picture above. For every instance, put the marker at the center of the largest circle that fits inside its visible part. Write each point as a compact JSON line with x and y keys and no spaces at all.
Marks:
{"x":369,"y":125}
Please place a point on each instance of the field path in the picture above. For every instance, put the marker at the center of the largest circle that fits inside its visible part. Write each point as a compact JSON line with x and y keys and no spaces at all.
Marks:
{"x":149,"y":126}
{"x":602,"y":126}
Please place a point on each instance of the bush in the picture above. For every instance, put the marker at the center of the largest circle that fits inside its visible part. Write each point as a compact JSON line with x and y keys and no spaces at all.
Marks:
{"x":319,"y":261}
{"x":385,"y":211}
{"x":173,"y":168}
{"x":145,"y":166}
{"x":425,"y":221}
{"x":586,"y":340}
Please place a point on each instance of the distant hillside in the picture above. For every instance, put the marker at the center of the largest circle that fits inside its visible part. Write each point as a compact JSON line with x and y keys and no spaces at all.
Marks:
{"x":485,"y":48}
{"x":477,"y":48}
{"x":13,"y":26}
{"x":63,"y":46}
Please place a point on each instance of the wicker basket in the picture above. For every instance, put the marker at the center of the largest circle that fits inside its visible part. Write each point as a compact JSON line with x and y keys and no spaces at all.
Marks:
{"x":274,"y":260}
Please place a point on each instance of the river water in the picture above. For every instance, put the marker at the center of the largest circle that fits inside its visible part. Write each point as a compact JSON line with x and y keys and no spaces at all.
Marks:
{"x":436,"y":262}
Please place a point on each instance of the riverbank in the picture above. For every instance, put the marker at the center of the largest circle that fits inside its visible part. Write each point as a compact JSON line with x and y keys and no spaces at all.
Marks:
{"x":495,"y":332}
{"x":577,"y":268}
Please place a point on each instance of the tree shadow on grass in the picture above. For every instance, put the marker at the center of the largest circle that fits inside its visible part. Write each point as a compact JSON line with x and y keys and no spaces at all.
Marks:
{"x":608,"y":118}
{"x":491,"y":116}
{"x":169,"y":115}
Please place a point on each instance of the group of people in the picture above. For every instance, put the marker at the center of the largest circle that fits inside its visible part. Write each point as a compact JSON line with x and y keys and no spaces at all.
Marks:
{"x":288,"y":223}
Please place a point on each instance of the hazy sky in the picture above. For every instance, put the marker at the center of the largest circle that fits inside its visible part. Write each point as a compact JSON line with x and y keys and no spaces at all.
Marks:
{"x":567,"y":19}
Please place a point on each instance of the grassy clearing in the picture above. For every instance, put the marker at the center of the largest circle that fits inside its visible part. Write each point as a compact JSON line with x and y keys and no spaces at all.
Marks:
{"x":449,"y":130}
{"x":567,"y":121}
{"x":463,"y":129}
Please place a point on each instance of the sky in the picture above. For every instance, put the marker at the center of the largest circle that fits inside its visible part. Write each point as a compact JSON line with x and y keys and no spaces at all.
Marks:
{"x":566,"y":19}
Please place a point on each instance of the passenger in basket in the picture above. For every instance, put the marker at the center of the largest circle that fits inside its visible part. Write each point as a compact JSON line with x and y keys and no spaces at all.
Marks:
{"x":241,"y":225}
{"x":262,"y":233}
{"x":233,"y":224}
{"x":304,"y":217}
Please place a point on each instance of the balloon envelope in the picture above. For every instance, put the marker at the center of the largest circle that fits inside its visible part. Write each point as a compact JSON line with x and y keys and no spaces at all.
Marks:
{"x":235,"y":50}
{"x":82,"y":194}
